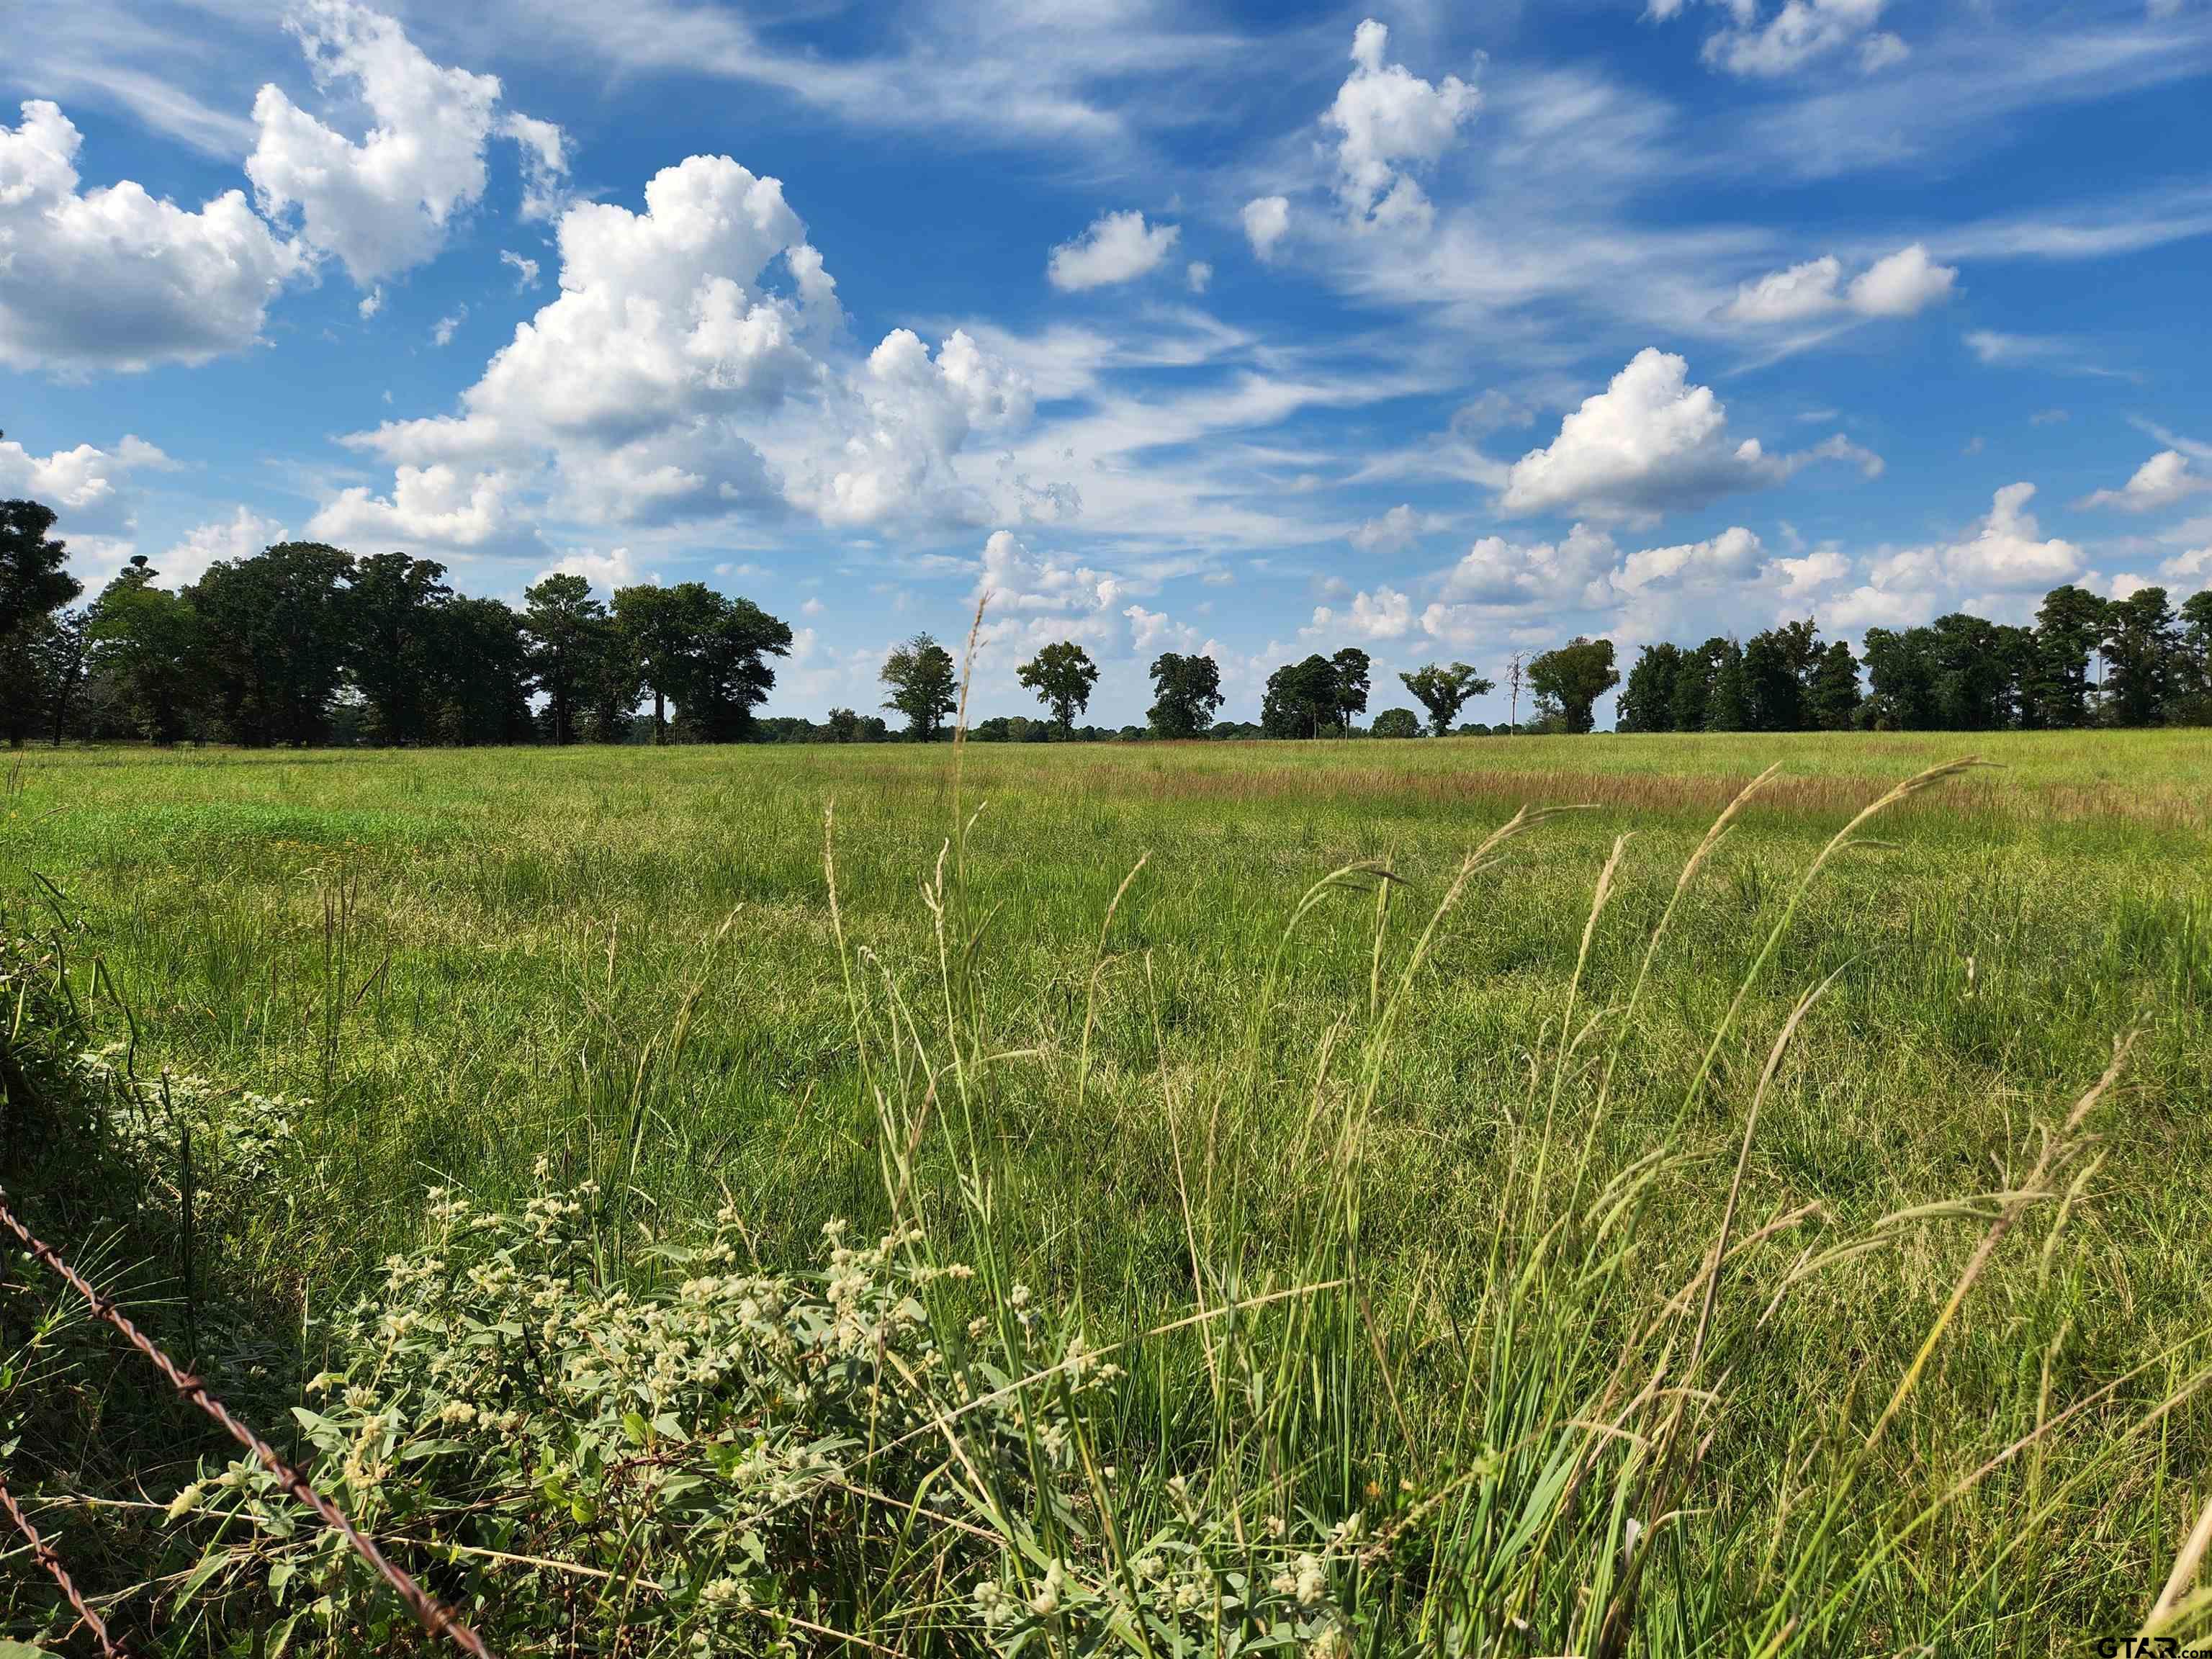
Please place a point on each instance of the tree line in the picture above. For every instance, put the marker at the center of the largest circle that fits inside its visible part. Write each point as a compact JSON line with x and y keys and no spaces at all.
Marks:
{"x":2085,"y":661}
{"x":304,"y":643}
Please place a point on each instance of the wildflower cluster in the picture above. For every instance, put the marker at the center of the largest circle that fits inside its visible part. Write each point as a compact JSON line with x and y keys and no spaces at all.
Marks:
{"x":242,"y":1142}
{"x":1203,"y":1583}
{"x":717,"y":1454}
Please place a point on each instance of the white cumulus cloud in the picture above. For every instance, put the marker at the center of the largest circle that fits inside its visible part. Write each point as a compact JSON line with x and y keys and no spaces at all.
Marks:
{"x":92,"y":490}
{"x":1266,"y":222}
{"x":694,"y":366}
{"x":434,"y":504}
{"x":2159,"y":481}
{"x":917,"y":411}
{"x":384,"y":203}
{"x":86,"y":485}
{"x":2006,"y":550}
{"x":1800,"y":32}
{"x":115,"y":279}
{"x":1649,"y":443}
{"x":240,"y":536}
{"x":1117,"y":247}
{"x":607,"y":571}
{"x":1903,"y":284}
{"x":1735,"y":554}
{"x":1384,"y":614}
{"x":544,"y":152}
{"x":1035,"y":598}
{"x":621,"y":384}
{"x":1389,"y":119}
{"x":1395,"y":531}
{"x":1154,"y":631}
{"x":1802,"y":291}
{"x":1497,"y":579}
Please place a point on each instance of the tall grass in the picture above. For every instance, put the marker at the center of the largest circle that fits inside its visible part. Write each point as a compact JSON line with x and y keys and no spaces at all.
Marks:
{"x":1549,"y":1247}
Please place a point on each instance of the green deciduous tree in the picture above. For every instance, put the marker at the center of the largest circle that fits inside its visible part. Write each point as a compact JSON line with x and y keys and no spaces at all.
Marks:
{"x":1351,"y":668}
{"x":703,"y":651}
{"x":1185,"y":692}
{"x":1777,"y":670}
{"x":1693,"y":684}
{"x":1396,"y":723}
{"x":1303,"y":699}
{"x":393,"y":607}
{"x":1970,"y":672}
{"x":1061,"y":675}
{"x":568,"y":633}
{"x":275,"y":637}
{"x":1573,"y":677}
{"x":730,"y":675}
{"x":2068,"y":629}
{"x":42,"y":663}
{"x":145,"y":648}
{"x":34,"y":586}
{"x":1443,"y":692}
{"x":1647,"y":699}
{"x":32,"y":580}
{"x":479,"y":686}
{"x":2140,"y":646}
{"x":666,"y":628}
{"x":923,"y":685}
{"x":2193,"y":694}
{"x":1729,"y":708}
{"x":1900,"y":679}
{"x":1832,"y":700}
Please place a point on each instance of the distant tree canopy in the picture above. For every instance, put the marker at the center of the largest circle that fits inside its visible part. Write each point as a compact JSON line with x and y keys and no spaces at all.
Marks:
{"x":307,"y":643}
{"x":32,"y":580}
{"x":1444,"y":692}
{"x":727,"y":674}
{"x":145,"y":645}
{"x":41,"y":655}
{"x":922,"y":685}
{"x":849,"y":726}
{"x":1185,"y":691}
{"x":2085,"y":661}
{"x":1783,"y":681}
{"x":395,"y":608}
{"x":273,"y":639}
{"x":1061,"y":675}
{"x":1647,"y":699}
{"x":1568,"y":682}
{"x":304,"y":641}
{"x":1317,"y":697}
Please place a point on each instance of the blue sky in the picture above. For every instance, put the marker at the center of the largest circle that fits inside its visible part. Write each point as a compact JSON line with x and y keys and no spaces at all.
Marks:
{"x":1446,"y":331}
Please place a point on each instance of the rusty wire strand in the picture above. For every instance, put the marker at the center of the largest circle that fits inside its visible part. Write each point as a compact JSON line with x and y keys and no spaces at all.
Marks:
{"x":43,"y":1553}
{"x":430,"y":1613}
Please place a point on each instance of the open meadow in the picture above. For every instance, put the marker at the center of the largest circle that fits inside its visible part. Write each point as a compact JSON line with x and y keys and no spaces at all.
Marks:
{"x":1387,"y":1234}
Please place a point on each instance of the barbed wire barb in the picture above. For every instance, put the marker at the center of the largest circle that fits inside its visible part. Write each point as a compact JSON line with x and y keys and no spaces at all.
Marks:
{"x":43,"y":1553}
{"x":430,"y":1613}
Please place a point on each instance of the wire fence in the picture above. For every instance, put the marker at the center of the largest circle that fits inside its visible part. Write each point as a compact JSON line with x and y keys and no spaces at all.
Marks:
{"x":43,"y":1553}
{"x":433,"y":1614}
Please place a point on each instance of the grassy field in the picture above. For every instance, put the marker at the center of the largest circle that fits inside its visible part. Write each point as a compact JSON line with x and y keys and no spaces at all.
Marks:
{"x":1480,"y":1136}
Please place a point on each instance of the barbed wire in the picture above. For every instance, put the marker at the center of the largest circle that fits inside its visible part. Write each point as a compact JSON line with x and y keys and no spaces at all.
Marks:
{"x":430,"y":1613}
{"x":43,"y":1553}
